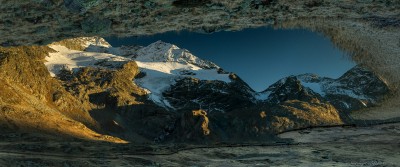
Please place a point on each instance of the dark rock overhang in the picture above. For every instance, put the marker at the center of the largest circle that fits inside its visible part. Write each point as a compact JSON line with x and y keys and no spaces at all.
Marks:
{"x":368,"y":30}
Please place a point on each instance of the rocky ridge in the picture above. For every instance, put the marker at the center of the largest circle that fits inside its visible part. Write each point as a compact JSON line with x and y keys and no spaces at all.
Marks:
{"x":356,"y":89}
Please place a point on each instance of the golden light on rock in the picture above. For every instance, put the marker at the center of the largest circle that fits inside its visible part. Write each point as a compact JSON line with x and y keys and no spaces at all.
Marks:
{"x":204,"y":125}
{"x":263,"y":114}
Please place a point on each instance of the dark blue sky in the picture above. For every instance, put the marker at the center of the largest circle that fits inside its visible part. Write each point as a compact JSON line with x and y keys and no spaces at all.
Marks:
{"x":259,"y":56}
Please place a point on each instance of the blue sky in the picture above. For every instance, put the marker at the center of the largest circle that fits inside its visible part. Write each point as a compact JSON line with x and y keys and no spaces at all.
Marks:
{"x":259,"y":56}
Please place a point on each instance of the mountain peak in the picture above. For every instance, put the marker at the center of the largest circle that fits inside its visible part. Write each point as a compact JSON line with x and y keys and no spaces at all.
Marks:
{"x":161,"y":45}
{"x":289,"y":88}
{"x":308,"y":77}
{"x":356,"y":71}
{"x":165,"y":52}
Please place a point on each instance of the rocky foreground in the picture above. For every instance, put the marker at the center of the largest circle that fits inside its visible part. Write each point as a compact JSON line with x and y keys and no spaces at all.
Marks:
{"x":341,"y":146}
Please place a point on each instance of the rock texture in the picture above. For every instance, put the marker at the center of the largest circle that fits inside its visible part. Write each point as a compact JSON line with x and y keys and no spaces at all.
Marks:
{"x":214,"y":96}
{"x":164,"y":94}
{"x":32,"y":101}
{"x":54,"y":19}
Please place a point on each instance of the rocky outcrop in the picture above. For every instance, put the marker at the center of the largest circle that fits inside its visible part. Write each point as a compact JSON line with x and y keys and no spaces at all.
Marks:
{"x":289,"y":88}
{"x":363,"y":89}
{"x":31,"y":101}
{"x":204,"y":124}
{"x":117,"y":104}
{"x":89,"y":84}
{"x":297,"y":114}
{"x":213,"y":96}
{"x":23,"y":66}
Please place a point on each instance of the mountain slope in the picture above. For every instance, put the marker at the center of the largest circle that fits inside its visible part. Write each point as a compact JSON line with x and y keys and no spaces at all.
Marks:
{"x":31,"y":101}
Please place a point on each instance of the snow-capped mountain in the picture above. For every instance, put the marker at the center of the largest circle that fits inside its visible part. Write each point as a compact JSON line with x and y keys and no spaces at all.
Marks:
{"x":164,"y":64}
{"x":165,"y":52}
{"x":358,"y":88}
{"x":161,"y":63}
{"x":289,"y":88}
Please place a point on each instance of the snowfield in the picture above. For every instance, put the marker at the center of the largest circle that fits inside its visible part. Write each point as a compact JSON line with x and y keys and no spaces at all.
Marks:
{"x":65,"y":58}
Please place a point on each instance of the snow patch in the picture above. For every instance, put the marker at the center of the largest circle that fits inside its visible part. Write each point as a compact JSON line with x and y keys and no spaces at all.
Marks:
{"x":160,"y":76}
{"x":345,"y":104}
{"x":315,"y":87}
{"x":65,"y":58}
{"x":262,"y":95}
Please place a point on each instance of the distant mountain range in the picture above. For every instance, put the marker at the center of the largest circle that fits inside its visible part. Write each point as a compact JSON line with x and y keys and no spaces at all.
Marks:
{"x":149,"y":93}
